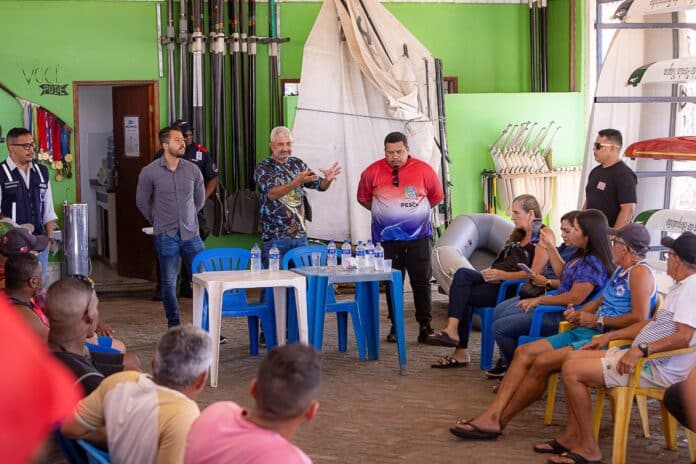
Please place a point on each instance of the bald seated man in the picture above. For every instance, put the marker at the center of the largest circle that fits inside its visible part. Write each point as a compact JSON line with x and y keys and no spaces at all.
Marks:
{"x":72,"y":310}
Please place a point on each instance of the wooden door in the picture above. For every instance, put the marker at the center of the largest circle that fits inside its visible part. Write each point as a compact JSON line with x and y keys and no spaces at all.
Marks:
{"x":135,"y":142}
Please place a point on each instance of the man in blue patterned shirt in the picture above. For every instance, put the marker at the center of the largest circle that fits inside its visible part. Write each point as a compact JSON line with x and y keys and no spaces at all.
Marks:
{"x":281,"y":180}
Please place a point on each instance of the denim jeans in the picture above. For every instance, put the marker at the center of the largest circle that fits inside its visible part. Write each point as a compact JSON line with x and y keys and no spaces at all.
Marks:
{"x":169,"y":249}
{"x":511,"y":322}
{"x":43,"y":259}
{"x":284,"y":245}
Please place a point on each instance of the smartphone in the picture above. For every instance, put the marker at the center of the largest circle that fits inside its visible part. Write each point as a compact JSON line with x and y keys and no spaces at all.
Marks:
{"x":536,"y":227}
{"x":525,"y":268}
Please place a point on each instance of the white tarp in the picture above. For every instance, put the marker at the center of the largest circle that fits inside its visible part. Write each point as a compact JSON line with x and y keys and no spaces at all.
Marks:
{"x":363,"y":76}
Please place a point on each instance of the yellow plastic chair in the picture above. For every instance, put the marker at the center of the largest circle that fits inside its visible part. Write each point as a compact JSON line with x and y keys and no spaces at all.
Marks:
{"x":564,"y":326}
{"x":623,"y":402}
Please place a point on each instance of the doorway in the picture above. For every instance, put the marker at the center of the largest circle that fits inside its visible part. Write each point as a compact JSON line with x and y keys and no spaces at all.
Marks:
{"x":116,"y":126}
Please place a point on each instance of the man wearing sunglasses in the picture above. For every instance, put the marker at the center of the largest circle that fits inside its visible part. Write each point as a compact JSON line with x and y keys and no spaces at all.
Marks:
{"x":170,"y":193}
{"x":400,"y":191}
{"x":611,"y":186}
{"x":25,"y":188}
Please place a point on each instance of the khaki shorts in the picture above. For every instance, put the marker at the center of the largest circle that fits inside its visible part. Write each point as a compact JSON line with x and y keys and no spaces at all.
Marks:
{"x":649,"y":378}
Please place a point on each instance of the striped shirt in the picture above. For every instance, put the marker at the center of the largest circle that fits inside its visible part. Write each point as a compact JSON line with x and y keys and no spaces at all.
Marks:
{"x":678,"y":309}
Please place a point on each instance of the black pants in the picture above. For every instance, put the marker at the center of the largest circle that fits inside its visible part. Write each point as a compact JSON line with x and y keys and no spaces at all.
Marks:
{"x":468,"y":289}
{"x":413,"y":256}
{"x":674,"y":402}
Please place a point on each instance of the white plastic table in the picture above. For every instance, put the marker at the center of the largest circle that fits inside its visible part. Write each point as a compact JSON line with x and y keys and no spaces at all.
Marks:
{"x":216,"y":283}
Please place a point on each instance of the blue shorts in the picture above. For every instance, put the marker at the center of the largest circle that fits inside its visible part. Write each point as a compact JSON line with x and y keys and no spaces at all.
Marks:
{"x":575,"y":338}
{"x":103,"y":345}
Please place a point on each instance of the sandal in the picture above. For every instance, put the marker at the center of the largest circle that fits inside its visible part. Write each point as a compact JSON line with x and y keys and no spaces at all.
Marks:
{"x":441,"y":339}
{"x":554,"y":447}
{"x":449,"y":362}
{"x":574,"y":457}
{"x":474,"y":434}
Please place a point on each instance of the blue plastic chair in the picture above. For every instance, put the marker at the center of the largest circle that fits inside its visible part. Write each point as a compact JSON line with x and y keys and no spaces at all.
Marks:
{"x":301,"y":257}
{"x":540,"y":311}
{"x":487,"y":316}
{"x":70,"y":450}
{"x":234,"y":302}
{"x":94,"y":454}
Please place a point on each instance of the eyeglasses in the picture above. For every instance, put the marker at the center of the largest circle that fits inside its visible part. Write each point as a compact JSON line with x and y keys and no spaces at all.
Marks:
{"x":598,"y":146}
{"x":395,"y":180}
{"x":26,"y":146}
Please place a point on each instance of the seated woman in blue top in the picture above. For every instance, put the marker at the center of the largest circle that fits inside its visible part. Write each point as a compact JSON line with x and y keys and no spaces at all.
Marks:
{"x":581,"y":278}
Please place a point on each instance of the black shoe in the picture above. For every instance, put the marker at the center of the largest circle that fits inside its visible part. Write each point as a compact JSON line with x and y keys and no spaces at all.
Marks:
{"x":391,"y":336}
{"x":425,"y":332}
{"x":223,"y":340}
{"x":498,"y":372}
{"x":262,"y":339}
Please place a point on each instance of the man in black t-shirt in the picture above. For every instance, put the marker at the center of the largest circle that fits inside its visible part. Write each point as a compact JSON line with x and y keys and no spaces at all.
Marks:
{"x":71,"y":306}
{"x":611,"y":186}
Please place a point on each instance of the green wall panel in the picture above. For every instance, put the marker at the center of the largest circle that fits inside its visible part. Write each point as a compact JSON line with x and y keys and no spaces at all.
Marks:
{"x":475,"y":121}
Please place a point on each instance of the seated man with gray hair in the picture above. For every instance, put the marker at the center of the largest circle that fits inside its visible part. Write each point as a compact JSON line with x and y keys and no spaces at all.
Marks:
{"x":286,"y":391}
{"x":147,"y":417}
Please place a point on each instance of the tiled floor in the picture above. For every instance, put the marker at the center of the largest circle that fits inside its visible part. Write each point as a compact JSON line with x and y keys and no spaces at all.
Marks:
{"x":371,"y":414}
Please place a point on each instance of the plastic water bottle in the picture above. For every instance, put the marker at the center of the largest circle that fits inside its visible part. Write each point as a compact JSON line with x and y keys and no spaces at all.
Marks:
{"x":345,"y":253}
{"x":255,"y":257}
{"x":331,"y":255}
{"x":379,"y":257}
{"x":274,"y":259}
{"x":369,"y":254}
{"x":360,"y":255}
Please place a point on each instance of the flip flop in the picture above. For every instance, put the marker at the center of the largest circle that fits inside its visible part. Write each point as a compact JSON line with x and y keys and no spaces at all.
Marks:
{"x":474,"y":434}
{"x":574,"y":457}
{"x":554,"y":448}
{"x":441,"y":339}
{"x":448,"y":362}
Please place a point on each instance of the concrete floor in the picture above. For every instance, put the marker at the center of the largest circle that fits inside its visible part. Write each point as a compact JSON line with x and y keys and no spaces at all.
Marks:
{"x":371,"y":414}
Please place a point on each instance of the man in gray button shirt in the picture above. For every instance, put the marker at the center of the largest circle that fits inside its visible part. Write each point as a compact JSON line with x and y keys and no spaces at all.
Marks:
{"x":170,"y":194}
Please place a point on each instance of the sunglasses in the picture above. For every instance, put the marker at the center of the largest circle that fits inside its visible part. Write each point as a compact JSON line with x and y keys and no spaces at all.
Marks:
{"x":89,"y":286}
{"x":395,"y":180}
{"x":598,"y":146}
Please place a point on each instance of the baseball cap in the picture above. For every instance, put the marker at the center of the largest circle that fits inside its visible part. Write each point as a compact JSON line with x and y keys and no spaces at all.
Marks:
{"x":183,"y":126}
{"x":19,"y":240}
{"x":634,"y":235}
{"x":684,"y":246}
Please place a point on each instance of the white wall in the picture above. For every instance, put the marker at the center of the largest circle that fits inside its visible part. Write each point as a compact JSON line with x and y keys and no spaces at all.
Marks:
{"x":95,"y":125}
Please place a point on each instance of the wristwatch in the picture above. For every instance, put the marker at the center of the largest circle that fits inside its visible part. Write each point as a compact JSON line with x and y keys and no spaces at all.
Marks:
{"x":644,"y":348}
{"x":599,"y":325}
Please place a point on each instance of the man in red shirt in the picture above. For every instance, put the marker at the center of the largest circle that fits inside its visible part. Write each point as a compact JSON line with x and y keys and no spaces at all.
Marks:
{"x":400,"y":191}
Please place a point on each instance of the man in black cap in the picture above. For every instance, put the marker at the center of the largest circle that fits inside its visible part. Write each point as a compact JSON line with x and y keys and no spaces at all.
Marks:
{"x":198,"y":155}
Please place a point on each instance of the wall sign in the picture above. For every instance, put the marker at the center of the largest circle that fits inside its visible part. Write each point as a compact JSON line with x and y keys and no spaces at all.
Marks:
{"x":131,"y":134}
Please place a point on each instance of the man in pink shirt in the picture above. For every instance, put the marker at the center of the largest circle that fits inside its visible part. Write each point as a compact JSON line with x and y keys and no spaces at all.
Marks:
{"x":285,"y":390}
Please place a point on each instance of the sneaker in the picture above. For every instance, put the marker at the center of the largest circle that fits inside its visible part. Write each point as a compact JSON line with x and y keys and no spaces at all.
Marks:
{"x":223,"y":340}
{"x":498,"y":372}
{"x":425,"y":332}
{"x":391,"y":336}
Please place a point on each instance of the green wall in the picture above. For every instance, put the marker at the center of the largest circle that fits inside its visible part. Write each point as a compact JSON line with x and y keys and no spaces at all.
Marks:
{"x":485,"y":45}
